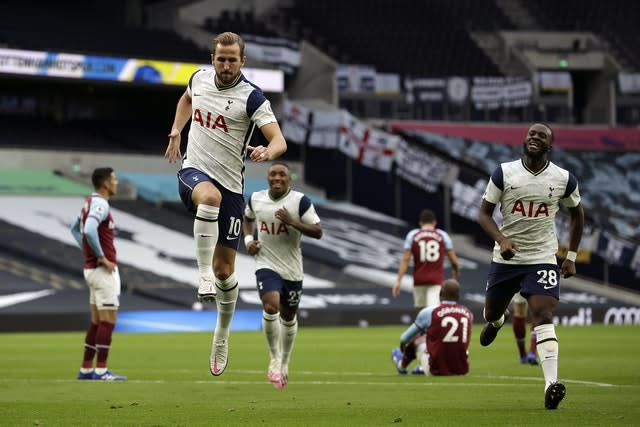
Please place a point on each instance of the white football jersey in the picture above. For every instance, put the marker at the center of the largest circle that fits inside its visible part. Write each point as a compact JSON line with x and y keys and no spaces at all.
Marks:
{"x":222,"y":122}
{"x":280,"y":243}
{"x":529,"y":202}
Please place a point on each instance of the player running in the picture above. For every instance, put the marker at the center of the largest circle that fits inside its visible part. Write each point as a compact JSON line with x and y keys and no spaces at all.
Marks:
{"x":281,"y":216}
{"x":529,"y":191}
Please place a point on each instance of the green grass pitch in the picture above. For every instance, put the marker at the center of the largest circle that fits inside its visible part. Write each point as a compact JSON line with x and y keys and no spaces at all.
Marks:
{"x":338,"y":376}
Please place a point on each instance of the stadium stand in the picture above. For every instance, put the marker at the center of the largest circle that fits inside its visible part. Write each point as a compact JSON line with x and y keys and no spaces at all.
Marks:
{"x":243,"y":22}
{"x":91,"y":27}
{"x":37,"y":112}
{"x":394,"y":39}
{"x":616,"y":21}
{"x":608,"y":178}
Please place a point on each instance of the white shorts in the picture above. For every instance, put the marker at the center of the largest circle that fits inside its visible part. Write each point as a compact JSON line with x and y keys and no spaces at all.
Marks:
{"x":104,"y":288}
{"x":424,"y":296}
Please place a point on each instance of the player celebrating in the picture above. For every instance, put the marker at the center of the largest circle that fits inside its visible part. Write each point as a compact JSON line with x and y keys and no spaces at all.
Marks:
{"x":447,"y":326}
{"x":281,"y":217}
{"x":94,"y":231}
{"x":529,"y":191}
{"x":224,"y":109}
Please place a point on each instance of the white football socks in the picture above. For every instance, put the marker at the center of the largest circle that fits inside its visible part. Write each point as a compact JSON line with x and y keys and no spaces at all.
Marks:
{"x":205,"y":234}
{"x":271,"y":328}
{"x":498,"y":323}
{"x":547,"y":347}
{"x":287,"y":338}
{"x":421,"y":348}
{"x":226,"y":305}
{"x":423,"y":362}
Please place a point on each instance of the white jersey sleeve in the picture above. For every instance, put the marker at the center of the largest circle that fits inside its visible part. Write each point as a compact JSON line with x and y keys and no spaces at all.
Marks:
{"x":528,"y":203}
{"x":280,"y":249}
{"x":248,"y":209}
{"x":263,"y":115}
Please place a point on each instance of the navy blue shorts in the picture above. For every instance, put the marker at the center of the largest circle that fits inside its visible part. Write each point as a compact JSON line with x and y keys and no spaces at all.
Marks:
{"x":290,"y":291}
{"x":231,"y":207}
{"x":504,"y":280}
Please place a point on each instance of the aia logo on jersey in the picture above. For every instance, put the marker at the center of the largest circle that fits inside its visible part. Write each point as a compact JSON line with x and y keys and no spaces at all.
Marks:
{"x":272,"y":228}
{"x":530,"y":209}
{"x":219,"y":122}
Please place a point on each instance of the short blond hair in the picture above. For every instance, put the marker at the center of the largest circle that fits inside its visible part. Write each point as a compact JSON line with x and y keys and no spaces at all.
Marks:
{"x":227,"y":39}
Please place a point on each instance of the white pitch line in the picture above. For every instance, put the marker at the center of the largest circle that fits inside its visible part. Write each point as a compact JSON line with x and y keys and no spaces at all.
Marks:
{"x":505,"y":377}
{"x":303,"y":382}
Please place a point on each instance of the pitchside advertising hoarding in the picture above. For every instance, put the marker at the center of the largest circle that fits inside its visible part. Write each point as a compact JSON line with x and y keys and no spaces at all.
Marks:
{"x":131,"y":70}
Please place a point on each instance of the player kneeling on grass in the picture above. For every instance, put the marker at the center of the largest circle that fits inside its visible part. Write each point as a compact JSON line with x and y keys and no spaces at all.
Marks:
{"x":282,"y":216}
{"x":447,"y":326}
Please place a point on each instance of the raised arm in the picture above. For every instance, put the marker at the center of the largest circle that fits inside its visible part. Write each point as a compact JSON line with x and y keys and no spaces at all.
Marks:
{"x":276,"y":147}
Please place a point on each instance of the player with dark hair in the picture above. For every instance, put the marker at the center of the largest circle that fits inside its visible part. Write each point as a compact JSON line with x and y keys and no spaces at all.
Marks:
{"x":224,"y":108}
{"x":94,"y":231}
{"x":529,"y":191}
{"x":447,"y":326}
{"x":281,"y":216}
{"x":427,"y":246}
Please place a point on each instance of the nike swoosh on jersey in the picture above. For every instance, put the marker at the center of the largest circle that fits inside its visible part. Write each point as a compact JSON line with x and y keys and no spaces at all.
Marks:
{"x":231,"y":237}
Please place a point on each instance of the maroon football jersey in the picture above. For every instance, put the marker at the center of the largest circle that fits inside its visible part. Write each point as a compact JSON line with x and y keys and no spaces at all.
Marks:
{"x":448,"y":339}
{"x":428,"y":249}
{"x":98,"y":208}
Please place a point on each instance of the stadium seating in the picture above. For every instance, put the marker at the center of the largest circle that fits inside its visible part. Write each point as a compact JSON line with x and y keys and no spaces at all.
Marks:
{"x":394,"y":39}
{"x":85,"y":28}
{"x":418,"y":38}
{"x":615,"y":20}
{"x":239,"y":22}
{"x":85,"y":135}
{"x":607,"y":178}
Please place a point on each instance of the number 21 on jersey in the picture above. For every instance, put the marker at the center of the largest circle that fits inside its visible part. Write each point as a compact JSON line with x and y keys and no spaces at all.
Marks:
{"x":455,"y":333}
